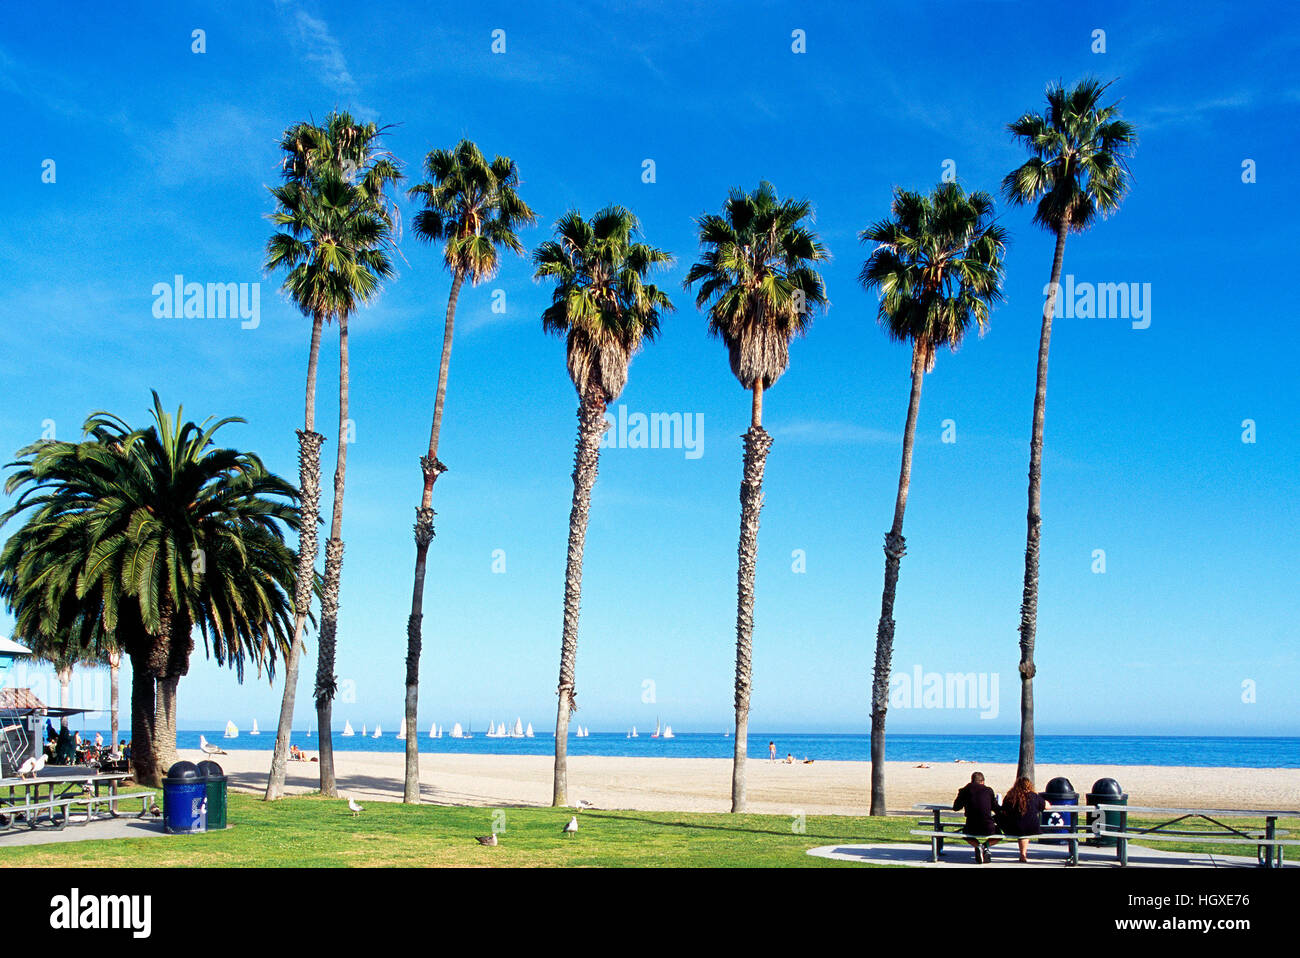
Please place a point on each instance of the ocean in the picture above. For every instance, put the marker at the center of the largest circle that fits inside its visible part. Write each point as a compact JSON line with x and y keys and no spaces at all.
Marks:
{"x":1224,"y":752}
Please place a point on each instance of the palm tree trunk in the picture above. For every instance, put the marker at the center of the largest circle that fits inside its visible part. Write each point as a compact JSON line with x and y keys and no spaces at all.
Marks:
{"x":1034,"y":521}
{"x":143,"y":699}
{"x":431,"y":467}
{"x":164,"y":726}
{"x":586,"y":461}
{"x":757,"y":444}
{"x":309,"y":443}
{"x":114,"y":668}
{"x":326,"y":681}
{"x":895,"y":549}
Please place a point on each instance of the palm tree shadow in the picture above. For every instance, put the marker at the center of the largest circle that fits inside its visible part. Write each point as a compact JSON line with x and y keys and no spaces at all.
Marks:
{"x":839,"y":837}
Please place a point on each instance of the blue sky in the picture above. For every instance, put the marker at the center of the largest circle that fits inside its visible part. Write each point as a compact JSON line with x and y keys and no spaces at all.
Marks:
{"x":162,"y":156}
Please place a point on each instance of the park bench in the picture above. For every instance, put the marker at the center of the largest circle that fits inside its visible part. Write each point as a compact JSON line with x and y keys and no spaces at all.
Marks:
{"x":948,"y":824}
{"x":1267,"y":842}
{"x":31,"y":813}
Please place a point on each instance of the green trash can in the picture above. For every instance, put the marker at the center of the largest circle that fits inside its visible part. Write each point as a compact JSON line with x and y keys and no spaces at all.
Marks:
{"x":1106,"y":791}
{"x":215,"y":780}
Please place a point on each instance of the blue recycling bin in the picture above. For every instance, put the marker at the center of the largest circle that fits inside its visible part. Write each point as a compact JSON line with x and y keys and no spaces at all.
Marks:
{"x":185,"y":800}
{"x":1059,"y":792}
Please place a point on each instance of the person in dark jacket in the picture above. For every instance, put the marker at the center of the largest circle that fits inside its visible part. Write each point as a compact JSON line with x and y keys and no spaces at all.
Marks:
{"x":979,"y":803}
{"x":1022,"y":813}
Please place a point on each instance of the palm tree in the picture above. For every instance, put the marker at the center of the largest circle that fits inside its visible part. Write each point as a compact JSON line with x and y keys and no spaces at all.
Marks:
{"x":335,"y":236}
{"x":606,"y":311}
{"x":1078,"y":168}
{"x":143,"y":534}
{"x":758,"y":282}
{"x":472,"y":206}
{"x":937,"y":266}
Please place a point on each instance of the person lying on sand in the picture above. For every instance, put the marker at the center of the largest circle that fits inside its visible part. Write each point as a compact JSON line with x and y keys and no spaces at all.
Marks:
{"x":789,"y":759}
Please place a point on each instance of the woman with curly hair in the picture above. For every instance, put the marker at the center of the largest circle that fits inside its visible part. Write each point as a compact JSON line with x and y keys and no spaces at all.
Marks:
{"x":1022,"y":813}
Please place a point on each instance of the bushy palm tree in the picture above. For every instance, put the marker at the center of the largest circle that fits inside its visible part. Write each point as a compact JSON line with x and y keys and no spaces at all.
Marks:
{"x":143,"y":534}
{"x":758,"y":281}
{"x":937,"y":266}
{"x":472,"y":207}
{"x":605,"y":310}
{"x":1077,"y":170}
{"x":334,"y":239}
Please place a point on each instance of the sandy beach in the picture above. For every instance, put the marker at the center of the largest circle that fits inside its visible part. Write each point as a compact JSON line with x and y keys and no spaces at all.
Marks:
{"x":703,"y":784}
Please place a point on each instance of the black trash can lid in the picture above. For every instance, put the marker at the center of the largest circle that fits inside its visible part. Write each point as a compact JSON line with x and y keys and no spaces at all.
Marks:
{"x":211,"y":772}
{"x":1061,"y":787}
{"x":183,"y":773}
{"x":1106,"y":786}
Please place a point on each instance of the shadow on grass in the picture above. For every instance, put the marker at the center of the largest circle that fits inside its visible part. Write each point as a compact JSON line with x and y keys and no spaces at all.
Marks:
{"x":748,"y":830}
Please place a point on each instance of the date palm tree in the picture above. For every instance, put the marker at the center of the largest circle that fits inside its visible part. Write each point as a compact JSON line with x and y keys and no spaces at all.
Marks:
{"x":141,"y":535}
{"x":474,"y":208}
{"x":1077,"y":170}
{"x":937,"y":266}
{"x":334,"y":237}
{"x":605,"y":310}
{"x":758,"y":281}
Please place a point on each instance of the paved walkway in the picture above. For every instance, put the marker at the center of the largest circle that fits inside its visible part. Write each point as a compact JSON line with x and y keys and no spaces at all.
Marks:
{"x":89,"y":831}
{"x":1005,"y":856}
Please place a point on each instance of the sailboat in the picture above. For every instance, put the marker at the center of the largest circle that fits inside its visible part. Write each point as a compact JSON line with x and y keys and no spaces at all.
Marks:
{"x":457,"y":731}
{"x":363,"y":729}
{"x":633,"y":733}
{"x":528,"y":732}
{"x":378,"y":732}
{"x":655,"y":733}
{"x":309,"y":726}
{"x":254,"y":730}
{"x":433,"y":730}
{"x":231,"y":730}
{"x":519,"y":729}
{"x":668,"y":731}
{"x":401,"y":732}
{"x":347,"y":730}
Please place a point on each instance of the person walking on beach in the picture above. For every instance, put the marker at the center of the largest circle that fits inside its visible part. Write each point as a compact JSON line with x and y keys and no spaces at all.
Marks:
{"x":979,"y":803}
{"x":771,"y":751}
{"x":1022,"y":813}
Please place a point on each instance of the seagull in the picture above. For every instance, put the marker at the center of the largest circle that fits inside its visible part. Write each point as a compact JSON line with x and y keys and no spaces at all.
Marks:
{"x":208,"y":748}
{"x":490,"y":840}
{"x":356,"y":809}
{"x":572,"y":827}
{"x":583,"y":805}
{"x":154,"y":810}
{"x":87,"y":787}
{"x":32,"y":766}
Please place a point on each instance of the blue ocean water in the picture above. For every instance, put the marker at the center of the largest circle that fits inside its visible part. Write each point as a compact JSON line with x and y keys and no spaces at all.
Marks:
{"x":1223,"y":752}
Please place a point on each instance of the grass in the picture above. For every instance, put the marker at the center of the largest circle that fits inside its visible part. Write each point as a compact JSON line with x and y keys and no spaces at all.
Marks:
{"x":311,"y":832}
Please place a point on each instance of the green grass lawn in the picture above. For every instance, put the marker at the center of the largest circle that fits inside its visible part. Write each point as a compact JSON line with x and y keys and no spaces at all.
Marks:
{"x":308,"y":831}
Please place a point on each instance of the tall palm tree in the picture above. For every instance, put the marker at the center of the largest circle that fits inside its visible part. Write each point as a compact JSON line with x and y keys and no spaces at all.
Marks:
{"x":143,"y":534}
{"x":758,"y":281}
{"x":606,"y":311}
{"x":334,"y":242}
{"x":937,"y":266}
{"x":1078,"y":169}
{"x":473,"y":207}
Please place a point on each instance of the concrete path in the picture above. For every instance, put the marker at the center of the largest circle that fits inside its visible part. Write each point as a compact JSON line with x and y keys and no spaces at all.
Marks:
{"x":1005,"y":856}
{"x":101,"y":828}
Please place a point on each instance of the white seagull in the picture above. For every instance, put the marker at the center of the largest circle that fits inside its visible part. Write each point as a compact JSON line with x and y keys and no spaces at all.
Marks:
{"x":583,"y":805}
{"x":489,"y":840}
{"x":355,"y":808}
{"x":32,"y":766}
{"x":572,"y":827}
{"x":208,"y":748}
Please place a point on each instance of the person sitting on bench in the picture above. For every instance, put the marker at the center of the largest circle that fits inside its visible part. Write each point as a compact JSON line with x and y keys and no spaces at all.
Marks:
{"x":979,"y":803}
{"x":1022,"y":813}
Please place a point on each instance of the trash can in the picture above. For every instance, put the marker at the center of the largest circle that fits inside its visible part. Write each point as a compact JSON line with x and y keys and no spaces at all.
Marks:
{"x":215,"y":780}
{"x":185,"y":799}
{"x":1059,"y":792}
{"x":1106,"y":791}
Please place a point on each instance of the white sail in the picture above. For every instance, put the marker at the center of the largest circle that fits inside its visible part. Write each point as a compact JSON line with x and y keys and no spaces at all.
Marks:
{"x":519,"y":728}
{"x":457,"y":731}
{"x":254,"y":730}
{"x":433,"y":730}
{"x":363,"y":728}
{"x":378,"y":732}
{"x":528,"y":732}
{"x":655,"y":733}
{"x":231,"y":730}
{"x":634,"y":735}
{"x":668,"y":731}
{"x":347,"y":730}
{"x":401,"y":732}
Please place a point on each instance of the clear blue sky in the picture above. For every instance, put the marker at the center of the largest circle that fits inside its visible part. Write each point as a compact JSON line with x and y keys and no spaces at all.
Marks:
{"x":162,"y":156}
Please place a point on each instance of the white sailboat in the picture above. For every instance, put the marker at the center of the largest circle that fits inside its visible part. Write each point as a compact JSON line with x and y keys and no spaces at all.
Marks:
{"x":633,"y":733}
{"x":378,"y":731}
{"x":433,"y":730}
{"x":528,"y":732}
{"x":668,"y":731}
{"x":519,"y":728}
{"x":309,"y":726}
{"x":363,"y":730}
{"x":231,"y":730}
{"x":347,"y":730}
{"x":401,"y":732}
{"x":457,"y":731}
{"x":254,"y":730}
{"x":655,"y":733}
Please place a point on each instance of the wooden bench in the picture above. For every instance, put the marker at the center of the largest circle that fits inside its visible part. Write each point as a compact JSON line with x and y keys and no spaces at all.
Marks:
{"x":951,"y":827}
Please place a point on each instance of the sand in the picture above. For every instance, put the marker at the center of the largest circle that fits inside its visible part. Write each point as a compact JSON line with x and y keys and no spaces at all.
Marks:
{"x":704,"y":784}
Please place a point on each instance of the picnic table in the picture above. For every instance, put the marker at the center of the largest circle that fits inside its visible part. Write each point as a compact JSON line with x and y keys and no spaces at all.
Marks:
{"x":1068,"y":834}
{"x":1268,"y":843}
{"x":63,"y":790}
